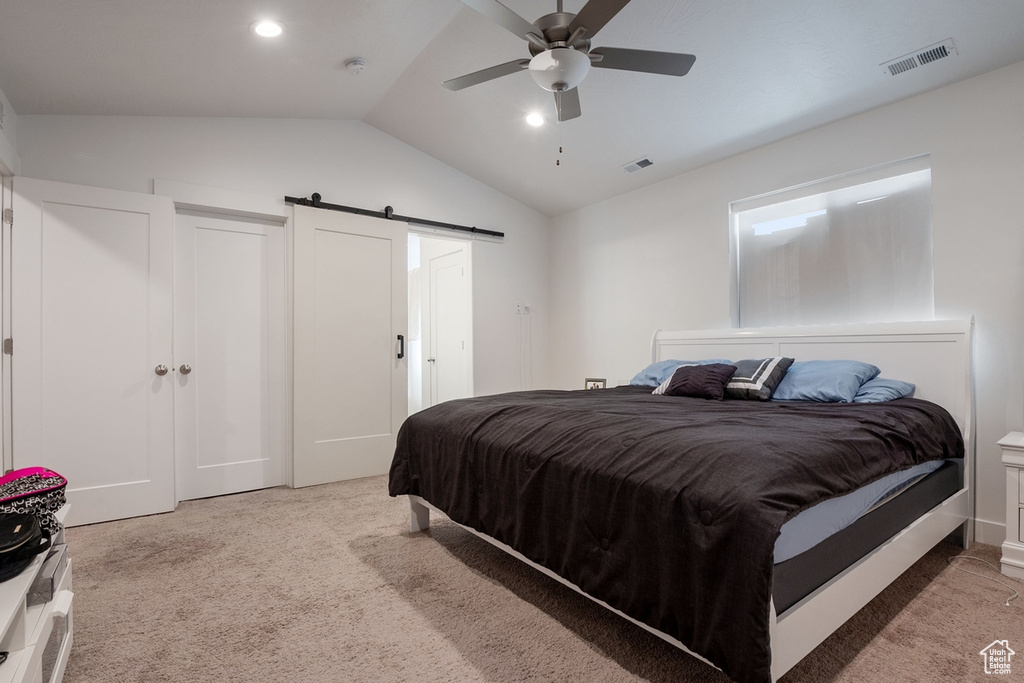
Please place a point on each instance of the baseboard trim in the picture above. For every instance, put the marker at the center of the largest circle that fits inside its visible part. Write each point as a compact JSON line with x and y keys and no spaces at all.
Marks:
{"x":989,"y":533}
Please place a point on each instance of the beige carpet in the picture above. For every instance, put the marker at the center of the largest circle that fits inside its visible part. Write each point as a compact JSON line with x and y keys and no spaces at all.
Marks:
{"x":325,"y":584}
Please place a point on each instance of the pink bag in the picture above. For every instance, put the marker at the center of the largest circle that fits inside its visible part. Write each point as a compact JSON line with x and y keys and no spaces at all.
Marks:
{"x":34,"y":490}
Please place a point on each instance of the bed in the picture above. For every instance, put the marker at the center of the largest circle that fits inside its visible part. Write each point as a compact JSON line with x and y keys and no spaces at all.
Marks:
{"x":596,"y":489}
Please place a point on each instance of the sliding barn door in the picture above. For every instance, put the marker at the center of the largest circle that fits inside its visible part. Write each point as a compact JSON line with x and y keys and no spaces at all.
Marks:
{"x":350,"y":377}
{"x":91,"y":324}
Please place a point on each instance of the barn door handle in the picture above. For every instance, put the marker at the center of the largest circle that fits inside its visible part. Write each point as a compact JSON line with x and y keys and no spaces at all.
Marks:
{"x":401,"y":346}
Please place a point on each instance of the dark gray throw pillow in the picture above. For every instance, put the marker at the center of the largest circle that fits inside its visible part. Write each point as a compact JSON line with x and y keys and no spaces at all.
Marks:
{"x":756,"y":378}
{"x":700,"y":381}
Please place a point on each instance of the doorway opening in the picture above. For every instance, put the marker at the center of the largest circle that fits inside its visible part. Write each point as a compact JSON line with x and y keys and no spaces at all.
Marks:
{"x":440,"y":320}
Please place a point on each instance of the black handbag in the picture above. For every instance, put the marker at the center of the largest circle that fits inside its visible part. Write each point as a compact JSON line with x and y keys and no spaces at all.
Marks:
{"x":21,"y":539}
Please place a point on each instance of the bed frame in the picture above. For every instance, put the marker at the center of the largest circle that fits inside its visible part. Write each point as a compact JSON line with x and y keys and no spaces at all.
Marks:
{"x":934,"y":355}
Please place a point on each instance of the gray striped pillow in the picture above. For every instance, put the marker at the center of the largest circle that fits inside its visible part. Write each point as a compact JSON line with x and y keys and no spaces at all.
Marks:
{"x":756,"y":378}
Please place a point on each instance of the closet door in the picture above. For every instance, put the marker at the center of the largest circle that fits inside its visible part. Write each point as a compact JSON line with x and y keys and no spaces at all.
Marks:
{"x":91,"y":324}
{"x":229,"y":327}
{"x":350,"y":381}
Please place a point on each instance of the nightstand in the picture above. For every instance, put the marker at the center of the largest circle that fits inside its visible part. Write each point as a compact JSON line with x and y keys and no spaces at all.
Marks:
{"x":1013,"y":548}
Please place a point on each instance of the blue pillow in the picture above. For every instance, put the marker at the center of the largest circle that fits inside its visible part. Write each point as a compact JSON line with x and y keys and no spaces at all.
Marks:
{"x":835,"y":381}
{"x":656,"y":373}
{"x":879,"y":390}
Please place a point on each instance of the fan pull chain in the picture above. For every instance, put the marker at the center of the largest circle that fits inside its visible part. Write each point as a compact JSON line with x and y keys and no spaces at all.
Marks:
{"x":558,"y":162}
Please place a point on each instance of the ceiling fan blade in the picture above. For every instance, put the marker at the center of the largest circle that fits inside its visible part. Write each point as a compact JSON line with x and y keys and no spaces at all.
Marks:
{"x":567,"y":104}
{"x":595,"y":14}
{"x":506,"y":18}
{"x":487,"y":74}
{"x":648,"y":61}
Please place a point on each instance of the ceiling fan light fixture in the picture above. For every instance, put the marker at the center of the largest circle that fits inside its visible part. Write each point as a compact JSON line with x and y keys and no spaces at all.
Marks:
{"x":535,"y":119}
{"x":560,"y":68}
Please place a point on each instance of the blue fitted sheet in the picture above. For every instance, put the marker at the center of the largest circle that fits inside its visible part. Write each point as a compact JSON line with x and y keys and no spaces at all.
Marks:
{"x":820,"y":521}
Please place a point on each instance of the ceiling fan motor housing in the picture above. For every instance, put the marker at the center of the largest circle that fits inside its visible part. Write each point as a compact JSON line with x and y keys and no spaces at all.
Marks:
{"x":554,"y":29}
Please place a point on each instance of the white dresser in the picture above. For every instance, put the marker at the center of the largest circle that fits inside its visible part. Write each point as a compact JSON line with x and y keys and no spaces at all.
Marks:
{"x":1013,"y":548}
{"x":37,"y":637}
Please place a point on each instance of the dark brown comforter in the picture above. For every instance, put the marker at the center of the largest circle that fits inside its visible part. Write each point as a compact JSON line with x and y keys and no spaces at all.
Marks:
{"x":666,"y":508}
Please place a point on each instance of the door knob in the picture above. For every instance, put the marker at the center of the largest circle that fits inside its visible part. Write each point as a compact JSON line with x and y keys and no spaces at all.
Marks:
{"x":160,"y":369}
{"x":185,"y":368}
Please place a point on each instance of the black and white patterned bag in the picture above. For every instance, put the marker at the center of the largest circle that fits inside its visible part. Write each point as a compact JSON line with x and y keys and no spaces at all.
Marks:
{"x":37,"y":491}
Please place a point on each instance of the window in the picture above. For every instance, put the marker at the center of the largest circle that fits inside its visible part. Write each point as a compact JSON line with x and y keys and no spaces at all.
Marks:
{"x":855,"y":248}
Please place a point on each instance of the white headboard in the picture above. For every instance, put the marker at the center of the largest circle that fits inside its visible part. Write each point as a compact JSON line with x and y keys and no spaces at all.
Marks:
{"x":935,"y":355}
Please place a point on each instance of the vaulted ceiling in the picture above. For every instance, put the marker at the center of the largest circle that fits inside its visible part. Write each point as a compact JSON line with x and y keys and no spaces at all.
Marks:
{"x":764,"y":71}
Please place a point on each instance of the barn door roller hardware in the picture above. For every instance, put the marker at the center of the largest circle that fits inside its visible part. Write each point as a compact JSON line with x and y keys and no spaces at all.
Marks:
{"x":389,"y":214}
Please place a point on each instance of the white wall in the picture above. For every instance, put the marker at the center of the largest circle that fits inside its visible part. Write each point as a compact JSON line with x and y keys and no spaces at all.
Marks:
{"x":659,"y":257}
{"x":347,"y":162}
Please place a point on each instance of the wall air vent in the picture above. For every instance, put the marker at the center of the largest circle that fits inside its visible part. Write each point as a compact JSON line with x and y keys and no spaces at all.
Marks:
{"x":921,"y":57}
{"x":634,"y":166}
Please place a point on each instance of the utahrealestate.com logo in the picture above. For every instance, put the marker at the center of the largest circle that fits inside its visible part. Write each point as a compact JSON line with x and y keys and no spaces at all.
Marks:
{"x":997,"y":657}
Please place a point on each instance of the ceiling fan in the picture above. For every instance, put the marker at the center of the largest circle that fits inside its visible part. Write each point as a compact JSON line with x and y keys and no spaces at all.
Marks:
{"x":561,"y":56}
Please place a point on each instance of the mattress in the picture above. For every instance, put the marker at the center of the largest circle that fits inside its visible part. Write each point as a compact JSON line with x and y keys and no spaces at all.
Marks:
{"x":799,"y":576}
{"x":815,"y":524}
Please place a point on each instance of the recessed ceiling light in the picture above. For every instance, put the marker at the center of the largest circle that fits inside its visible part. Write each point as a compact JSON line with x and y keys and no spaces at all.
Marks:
{"x":266,"y":28}
{"x":534,"y":119}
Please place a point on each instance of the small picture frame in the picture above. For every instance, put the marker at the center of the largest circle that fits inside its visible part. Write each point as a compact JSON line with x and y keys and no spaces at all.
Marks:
{"x":594,"y":383}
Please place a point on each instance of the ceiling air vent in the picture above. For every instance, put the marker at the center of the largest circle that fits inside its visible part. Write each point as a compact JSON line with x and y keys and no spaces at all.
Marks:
{"x":921,"y":57}
{"x":634,"y":166}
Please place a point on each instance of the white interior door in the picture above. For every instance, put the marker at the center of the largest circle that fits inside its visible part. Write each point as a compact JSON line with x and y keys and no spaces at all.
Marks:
{"x":91,"y":323}
{"x":229,"y":327}
{"x":5,"y":305}
{"x":450,"y":360}
{"x":349,"y":374}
